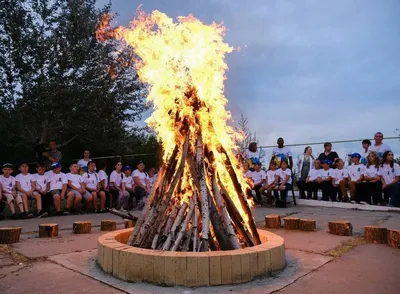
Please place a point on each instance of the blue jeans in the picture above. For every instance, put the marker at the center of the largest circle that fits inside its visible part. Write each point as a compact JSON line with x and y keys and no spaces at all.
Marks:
{"x":395,"y":195}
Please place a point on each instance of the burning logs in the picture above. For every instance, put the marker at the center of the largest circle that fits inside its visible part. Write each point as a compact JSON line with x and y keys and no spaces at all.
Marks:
{"x":308,"y":225}
{"x":291,"y":223}
{"x":340,"y":228}
{"x":374,"y":234}
{"x":82,"y":227}
{"x":393,"y":238}
{"x":48,"y":230}
{"x":9,"y":235}
{"x":273,"y":221}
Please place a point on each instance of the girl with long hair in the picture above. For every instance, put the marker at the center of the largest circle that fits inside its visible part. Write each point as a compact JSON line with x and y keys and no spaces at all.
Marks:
{"x":372,"y":185}
{"x":390,"y":177}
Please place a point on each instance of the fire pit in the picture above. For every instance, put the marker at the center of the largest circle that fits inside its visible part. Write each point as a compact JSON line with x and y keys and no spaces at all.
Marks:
{"x":197,"y":220}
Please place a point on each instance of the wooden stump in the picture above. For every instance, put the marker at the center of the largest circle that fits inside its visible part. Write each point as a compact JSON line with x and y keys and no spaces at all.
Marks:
{"x":9,"y":235}
{"x":128,"y":223}
{"x":291,"y":223}
{"x":340,"y":228}
{"x":82,"y":227}
{"x":308,"y":225}
{"x":273,"y":221}
{"x":108,"y":225}
{"x":393,"y":238}
{"x":374,"y":234}
{"x":48,"y":230}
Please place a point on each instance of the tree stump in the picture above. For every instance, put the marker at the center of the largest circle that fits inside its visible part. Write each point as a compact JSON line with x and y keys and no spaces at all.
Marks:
{"x":9,"y":235}
{"x":108,"y":225}
{"x":48,"y":230}
{"x":340,"y":228}
{"x":128,"y":223}
{"x":291,"y":223}
{"x":374,"y":234}
{"x":273,"y":221}
{"x":308,"y":225}
{"x":82,"y":227}
{"x":393,"y":238}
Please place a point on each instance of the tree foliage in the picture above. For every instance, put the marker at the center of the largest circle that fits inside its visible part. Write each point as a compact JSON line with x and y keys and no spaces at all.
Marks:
{"x":58,"y":82}
{"x":247,"y":136}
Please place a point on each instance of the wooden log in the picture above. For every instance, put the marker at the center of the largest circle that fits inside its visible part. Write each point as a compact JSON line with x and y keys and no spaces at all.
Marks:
{"x":184,"y":226}
{"x":308,"y":225}
{"x":273,"y":221}
{"x":128,"y":223}
{"x":48,"y":230}
{"x":291,"y":223}
{"x":374,"y":234}
{"x":82,"y":227}
{"x":9,"y":235}
{"x":340,"y":228}
{"x":108,"y":225}
{"x":393,"y":238}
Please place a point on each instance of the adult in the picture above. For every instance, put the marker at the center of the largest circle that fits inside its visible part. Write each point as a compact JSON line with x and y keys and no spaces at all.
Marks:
{"x":252,"y":154}
{"x":305,"y":163}
{"x":328,"y":154}
{"x":84,"y":161}
{"x":379,"y":146}
{"x":282,"y":153}
{"x":52,"y":156}
{"x":364,"y":155}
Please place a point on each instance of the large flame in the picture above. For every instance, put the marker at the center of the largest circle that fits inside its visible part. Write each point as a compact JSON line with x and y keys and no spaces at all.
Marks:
{"x":177,"y":58}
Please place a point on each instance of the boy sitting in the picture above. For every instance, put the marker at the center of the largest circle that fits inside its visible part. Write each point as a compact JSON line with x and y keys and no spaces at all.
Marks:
{"x":356,"y":174}
{"x":25,"y":186}
{"x":40,"y":180}
{"x":76,"y":189}
{"x":128,"y":200}
{"x":57,"y":185}
{"x":340,"y":176}
{"x":326,"y":174}
{"x":271,"y":182}
{"x":92,"y":184}
{"x":313,"y":180}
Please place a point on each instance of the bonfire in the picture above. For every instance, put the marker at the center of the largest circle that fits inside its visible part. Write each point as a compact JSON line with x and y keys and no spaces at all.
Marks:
{"x":198,"y":202}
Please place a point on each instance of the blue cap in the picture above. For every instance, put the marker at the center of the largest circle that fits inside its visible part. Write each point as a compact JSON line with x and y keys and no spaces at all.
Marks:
{"x":256,"y":161}
{"x":55,"y":165}
{"x":140,"y":161}
{"x":357,"y":155}
{"x":126,"y":167}
{"x":327,"y":161}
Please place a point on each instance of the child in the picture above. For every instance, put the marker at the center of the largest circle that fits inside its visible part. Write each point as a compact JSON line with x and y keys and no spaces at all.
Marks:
{"x":251,"y":155}
{"x":152,"y":178}
{"x":7,"y":182}
{"x":356,"y":172}
{"x":103,"y":177}
{"x":115,"y":183}
{"x":25,"y":186}
{"x":57,"y":185}
{"x":142,"y":184}
{"x":271,"y":181}
{"x":371,"y":184}
{"x":325,"y":181}
{"x":41,"y":180}
{"x":390,"y":177}
{"x":258,"y":176}
{"x":313,"y":180}
{"x":284,"y":185}
{"x":2,"y":204}
{"x":127,"y":197}
{"x":76,"y":189}
{"x":340,"y":176}
{"x":92,"y":184}
{"x":365,"y":145}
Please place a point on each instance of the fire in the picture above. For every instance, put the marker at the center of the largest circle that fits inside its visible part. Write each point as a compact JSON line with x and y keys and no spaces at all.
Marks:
{"x":184,"y":64}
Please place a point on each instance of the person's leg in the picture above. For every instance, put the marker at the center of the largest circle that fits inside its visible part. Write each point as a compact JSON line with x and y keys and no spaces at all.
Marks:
{"x":38,"y":199}
{"x":77,"y":201}
{"x":360,"y":192}
{"x":56,"y":200}
{"x":70,"y":199}
{"x":343,"y":190}
{"x":309,"y":189}
{"x":376,"y":193}
{"x":302,"y":189}
{"x":332,"y":192}
{"x":10,"y":202}
{"x":352,"y":188}
{"x":94,"y":201}
{"x":258,"y":194}
{"x":102,"y":195}
{"x":325,"y":190}
{"x":88,"y":199}
{"x":20,"y":205}
{"x":395,"y":195}
{"x":24,"y":201}
{"x":386,"y":195}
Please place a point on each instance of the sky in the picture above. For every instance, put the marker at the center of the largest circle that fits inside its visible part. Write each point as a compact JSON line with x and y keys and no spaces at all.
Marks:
{"x":309,"y":70}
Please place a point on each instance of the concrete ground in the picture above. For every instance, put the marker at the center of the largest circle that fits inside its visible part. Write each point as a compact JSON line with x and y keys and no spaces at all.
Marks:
{"x":316,"y":261}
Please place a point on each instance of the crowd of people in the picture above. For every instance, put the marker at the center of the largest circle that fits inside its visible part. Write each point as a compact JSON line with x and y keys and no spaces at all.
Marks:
{"x":372,"y":177}
{"x":86,"y":183}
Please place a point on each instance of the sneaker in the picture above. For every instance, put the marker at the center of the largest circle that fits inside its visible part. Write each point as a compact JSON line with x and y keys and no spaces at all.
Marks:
{"x":14,"y":216}
{"x":42,"y":214}
{"x":364,"y":203}
{"x":103,"y":211}
{"x":59,"y":213}
{"x":352,"y":202}
{"x":65,"y":212}
{"x":29,"y":215}
{"x":22,"y":215}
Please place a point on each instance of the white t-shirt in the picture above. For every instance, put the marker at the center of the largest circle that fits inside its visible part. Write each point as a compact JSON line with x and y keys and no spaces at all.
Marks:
{"x":388,"y":173}
{"x":75,"y":179}
{"x":283,"y":173}
{"x":258,"y":177}
{"x":152,"y":180}
{"x":371,"y":171}
{"x":48,"y":173}
{"x":128,"y":181}
{"x":380,"y":149}
{"x":91,"y":180}
{"x":141,"y":175}
{"x":324,"y":174}
{"x":8,"y":184}
{"x":116,"y":177}
{"x":57,"y":181}
{"x":364,"y":157}
{"x":248,"y":174}
{"x":103,"y":176}
{"x":271,"y":174}
{"x":340,"y":174}
{"x":355,"y":171}
{"x":41,"y":182}
{"x":313,"y":174}
{"x":83,"y":163}
{"x":25,"y":181}
{"x":252,"y":155}
{"x":282,"y":153}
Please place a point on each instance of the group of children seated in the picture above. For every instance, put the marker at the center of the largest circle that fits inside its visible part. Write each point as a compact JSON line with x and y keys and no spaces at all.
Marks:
{"x":124,"y":190}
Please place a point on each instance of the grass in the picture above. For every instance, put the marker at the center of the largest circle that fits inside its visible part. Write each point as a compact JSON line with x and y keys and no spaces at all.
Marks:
{"x":345,"y":247}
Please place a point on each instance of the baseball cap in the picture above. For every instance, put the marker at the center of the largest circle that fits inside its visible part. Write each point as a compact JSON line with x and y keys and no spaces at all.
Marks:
{"x":126,"y":167}
{"x":55,"y":165}
{"x":258,"y":162}
{"x":140,"y":161}
{"x":7,"y":165}
{"x":327,"y":161}
{"x":357,"y":155}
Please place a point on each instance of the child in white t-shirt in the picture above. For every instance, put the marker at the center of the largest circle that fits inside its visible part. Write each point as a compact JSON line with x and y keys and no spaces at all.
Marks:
{"x":57,"y":186}
{"x":284,"y":185}
{"x":340,"y":177}
{"x":371,"y":184}
{"x":41,"y":188}
{"x":390,"y":177}
{"x":271,"y":181}
{"x":142,"y":184}
{"x":92,"y":185}
{"x":115,"y":184}
{"x":152,"y":178}
{"x":76,"y":189}
{"x":25,"y":187}
{"x":258,"y":177}
{"x":326,"y":174}
{"x":128,"y":199}
{"x":356,"y":175}
{"x":8,"y":192}
{"x":313,"y":179}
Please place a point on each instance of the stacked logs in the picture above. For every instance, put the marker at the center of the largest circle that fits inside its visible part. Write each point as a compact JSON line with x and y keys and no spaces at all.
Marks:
{"x":273,"y":221}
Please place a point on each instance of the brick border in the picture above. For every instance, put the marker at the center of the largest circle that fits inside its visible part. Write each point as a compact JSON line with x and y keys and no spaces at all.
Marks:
{"x":190,"y":269}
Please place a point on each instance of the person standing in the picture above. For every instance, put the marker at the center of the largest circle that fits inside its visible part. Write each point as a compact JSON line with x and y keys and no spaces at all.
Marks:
{"x":84,"y":161}
{"x":379,"y":146}
{"x":282,"y":153}
{"x":328,"y":154}
{"x":365,"y":145}
{"x":305,"y":163}
{"x":53,"y":156}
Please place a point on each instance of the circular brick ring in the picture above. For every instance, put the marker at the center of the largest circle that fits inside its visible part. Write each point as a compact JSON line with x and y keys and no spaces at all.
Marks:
{"x":191,"y":269}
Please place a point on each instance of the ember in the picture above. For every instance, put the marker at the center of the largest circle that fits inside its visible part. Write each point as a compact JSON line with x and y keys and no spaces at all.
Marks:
{"x":198,"y":203}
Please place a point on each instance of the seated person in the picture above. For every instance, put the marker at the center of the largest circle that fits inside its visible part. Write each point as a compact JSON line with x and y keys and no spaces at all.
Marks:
{"x":25,"y":186}
{"x":271,"y":182}
{"x":152,"y":178}
{"x":128,"y":199}
{"x":313,"y":180}
{"x":57,"y":186}
{"x":284,"y":184}
{"x":390,"y":177}
{"x":371,"y":185}
{"x":356,"y":174}
{"x":8,"y":193}
{"x":325,"y":182}
{"x":258,"y":177}
{"x":76,"y":189}
{"x":340,"y":177}
{"x":41,"y":180}
{"x":92,"y":185}
{"x":115,"y":185}
{"x":142,"y":184}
